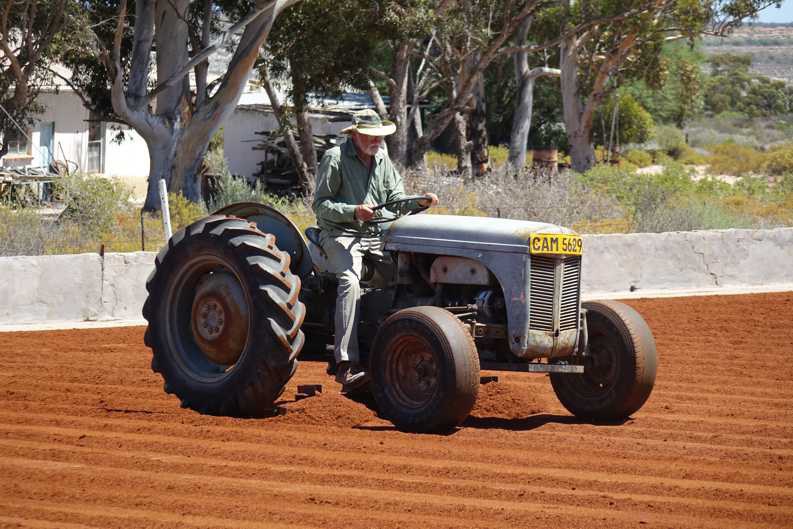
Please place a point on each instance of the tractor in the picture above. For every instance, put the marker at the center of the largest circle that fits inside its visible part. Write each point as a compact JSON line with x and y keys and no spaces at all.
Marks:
{"x":235,"y":297}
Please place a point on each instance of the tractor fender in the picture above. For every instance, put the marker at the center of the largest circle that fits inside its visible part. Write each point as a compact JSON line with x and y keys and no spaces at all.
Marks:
{"x":287,"y":234}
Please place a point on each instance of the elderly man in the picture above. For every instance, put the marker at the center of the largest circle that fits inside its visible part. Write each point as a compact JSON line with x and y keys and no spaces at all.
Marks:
{"x":351,"y":179}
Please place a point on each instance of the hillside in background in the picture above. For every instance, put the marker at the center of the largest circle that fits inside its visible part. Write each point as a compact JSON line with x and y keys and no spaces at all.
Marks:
{"x":770,"y":45}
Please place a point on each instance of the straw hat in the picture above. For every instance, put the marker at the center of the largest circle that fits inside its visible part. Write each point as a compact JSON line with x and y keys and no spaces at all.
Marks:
{"x":368,"y":122}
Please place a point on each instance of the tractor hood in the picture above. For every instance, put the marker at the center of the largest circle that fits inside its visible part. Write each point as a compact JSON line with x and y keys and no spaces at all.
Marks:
{"x":432,"y":232}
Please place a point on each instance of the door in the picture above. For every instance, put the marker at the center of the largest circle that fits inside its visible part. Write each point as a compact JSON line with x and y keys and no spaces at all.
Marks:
{"x":46,"y":137}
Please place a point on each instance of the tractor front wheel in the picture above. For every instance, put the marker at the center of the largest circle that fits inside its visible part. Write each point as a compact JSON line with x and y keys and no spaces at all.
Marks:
{"x":619,"y":369}
{"x":425,"y":370}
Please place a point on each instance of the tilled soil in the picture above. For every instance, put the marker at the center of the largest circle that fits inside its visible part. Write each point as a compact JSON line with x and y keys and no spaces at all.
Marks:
{"x":89,"y":439}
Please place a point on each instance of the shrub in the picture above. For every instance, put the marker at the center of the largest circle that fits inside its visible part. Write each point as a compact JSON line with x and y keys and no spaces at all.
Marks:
{"x":638,"y":157}
{"x":94,"y":202}
{"x":670,"y":140}
{"x":732,"y":159}
{"x":22,"y":232}
{"x":232,"y":189}
{"x":499,"y":154}
{"x":560,"y":199}
{"x":183,"y":211}
{"x":780,"y":160}
{"x":689,"y":156}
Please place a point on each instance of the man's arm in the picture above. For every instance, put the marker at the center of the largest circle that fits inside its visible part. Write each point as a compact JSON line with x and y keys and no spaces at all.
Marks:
{"x":328,"y":184}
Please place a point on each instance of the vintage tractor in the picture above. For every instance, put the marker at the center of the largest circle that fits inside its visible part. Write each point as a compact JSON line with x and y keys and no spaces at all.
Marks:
{"x":236,"y":296}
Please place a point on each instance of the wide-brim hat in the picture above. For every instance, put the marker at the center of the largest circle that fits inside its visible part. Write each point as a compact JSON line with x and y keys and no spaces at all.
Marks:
{"x":368,"y":122}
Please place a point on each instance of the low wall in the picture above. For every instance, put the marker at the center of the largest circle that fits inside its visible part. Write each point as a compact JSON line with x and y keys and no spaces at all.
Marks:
{"x":87,"y":287}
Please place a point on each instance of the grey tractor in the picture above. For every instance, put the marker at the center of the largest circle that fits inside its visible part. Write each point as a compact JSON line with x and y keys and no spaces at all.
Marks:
{"x":235,"y":297}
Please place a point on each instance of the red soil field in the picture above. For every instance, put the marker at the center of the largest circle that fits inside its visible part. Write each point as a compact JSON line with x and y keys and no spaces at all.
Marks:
{"x":89,"y":439}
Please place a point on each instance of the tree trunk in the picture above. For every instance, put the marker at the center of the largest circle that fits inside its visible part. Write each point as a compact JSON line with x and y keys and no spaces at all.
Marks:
{"x":398,"y":142}
{"x":304,"y":176}
{"x":304,"y":129}
{"x":579,"y":129}
{"x":415,"y":131}
{"x":177,"y":141}
{"x":521,"y":120}
{"x":160,"y":163}
{"x":463,"y":145}
{"x":377,"y":99}
{"x":480,"y":156}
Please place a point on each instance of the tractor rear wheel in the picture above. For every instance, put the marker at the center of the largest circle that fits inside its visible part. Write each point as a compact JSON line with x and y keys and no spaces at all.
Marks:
{"x":224,"y":317}
{"x":619,"y":371}
{"x":425,"y":369}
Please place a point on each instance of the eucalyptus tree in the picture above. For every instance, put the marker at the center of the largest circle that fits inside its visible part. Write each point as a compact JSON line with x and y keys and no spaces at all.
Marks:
{"x":604,"y":43}
{"x":319,"y":47}
{"x":31,"y":35}
{"x":171,"y":41}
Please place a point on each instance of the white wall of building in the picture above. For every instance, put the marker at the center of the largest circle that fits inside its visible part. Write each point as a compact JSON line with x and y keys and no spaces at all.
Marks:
{"x":66,"y":110}
{"x":127,"y":158}
{"x":239,"y":138}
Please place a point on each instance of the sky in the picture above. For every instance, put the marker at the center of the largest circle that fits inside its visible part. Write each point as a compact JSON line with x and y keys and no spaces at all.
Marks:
{"x":781,"y":15}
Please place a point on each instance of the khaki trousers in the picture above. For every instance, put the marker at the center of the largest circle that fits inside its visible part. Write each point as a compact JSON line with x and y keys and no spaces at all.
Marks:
{"x":345,"y":259}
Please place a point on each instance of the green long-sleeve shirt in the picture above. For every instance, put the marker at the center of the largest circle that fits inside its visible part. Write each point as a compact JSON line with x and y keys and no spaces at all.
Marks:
{"x":343,"y":182}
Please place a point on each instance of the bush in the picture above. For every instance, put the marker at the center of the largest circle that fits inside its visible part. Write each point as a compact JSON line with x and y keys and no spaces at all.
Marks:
{"x":560,"y":199}
{"x":689,"y":156}
{"x":231,"y":189}
{"x":732,"y":159}
{"x":22,"y":232}
{"x":184,"y":212}
{"x":670,"y":140}
{"x":780,"y":160}
{"x":93,"y":203}
{"x":638,"y":157}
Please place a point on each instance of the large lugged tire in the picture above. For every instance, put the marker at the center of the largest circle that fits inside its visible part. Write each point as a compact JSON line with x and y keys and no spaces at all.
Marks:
{"x":425,"y":370}
{"x":224,"y":317}
{"x":619,"y":372}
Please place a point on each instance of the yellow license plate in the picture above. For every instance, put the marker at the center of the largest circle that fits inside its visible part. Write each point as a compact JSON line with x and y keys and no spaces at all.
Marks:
{"x":555,"y":244}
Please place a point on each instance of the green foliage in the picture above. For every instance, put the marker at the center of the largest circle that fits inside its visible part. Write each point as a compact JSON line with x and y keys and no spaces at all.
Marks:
{"x":779,"y":161}
{"x":547,"y":135}
{"x":638,"y":157}
{"x":632,"y":123}
{"x":93,"y":202}
{"x":731,"y":159}
{"x":670,"y":140}
{"x":732,"y":87}
{"x":680,"y":99}
{"x":183,"y":211}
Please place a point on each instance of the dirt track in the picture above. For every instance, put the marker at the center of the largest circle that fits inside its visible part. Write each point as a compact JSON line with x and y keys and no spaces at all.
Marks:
{"x":88,"y":439}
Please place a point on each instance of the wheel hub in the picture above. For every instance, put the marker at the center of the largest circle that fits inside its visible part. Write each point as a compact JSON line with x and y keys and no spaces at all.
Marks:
{"x":416,"y":375}
{"x":220,"y":318}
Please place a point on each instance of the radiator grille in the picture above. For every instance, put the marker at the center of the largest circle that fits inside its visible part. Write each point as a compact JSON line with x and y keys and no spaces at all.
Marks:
{"x":542,"y":281}
{"x":541,"y":291}
{"x":571,"y":283}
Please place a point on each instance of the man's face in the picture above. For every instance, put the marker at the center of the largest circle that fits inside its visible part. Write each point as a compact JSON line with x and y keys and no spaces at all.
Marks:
{"x":367,"y":145}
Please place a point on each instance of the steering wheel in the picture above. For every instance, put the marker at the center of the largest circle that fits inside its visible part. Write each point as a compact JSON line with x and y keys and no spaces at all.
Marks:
{"x":386,"y":205}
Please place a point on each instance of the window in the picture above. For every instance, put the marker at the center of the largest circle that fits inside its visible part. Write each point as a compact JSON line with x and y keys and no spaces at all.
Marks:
{"x":96,"y":137}
{"x":17,"y":142}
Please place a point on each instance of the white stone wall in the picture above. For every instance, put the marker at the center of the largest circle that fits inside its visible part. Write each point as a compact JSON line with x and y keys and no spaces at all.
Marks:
{"x":71,"y":288}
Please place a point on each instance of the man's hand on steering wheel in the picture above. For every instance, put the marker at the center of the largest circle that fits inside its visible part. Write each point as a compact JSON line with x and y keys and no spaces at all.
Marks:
{"x":368,"y":212}
{"x":364,"y":212}
{"x":430,"y":200}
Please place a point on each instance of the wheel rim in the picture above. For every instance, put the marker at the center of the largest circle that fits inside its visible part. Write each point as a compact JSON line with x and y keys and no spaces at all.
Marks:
{"x":601,"y":371}
{"x":412,"y":372}
{"x":208,"y":318}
